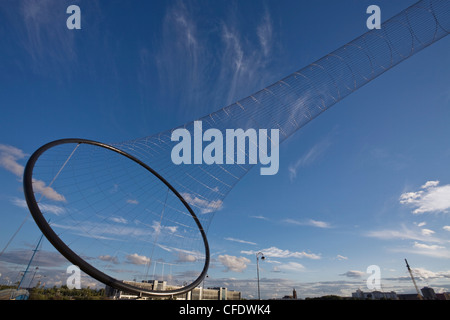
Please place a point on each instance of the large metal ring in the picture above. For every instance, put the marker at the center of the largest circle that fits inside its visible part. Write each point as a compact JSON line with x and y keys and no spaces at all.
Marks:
{"x":75,"y":258}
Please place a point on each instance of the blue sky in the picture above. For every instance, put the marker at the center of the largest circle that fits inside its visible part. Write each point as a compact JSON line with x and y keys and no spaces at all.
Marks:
{"x":366,"y":183}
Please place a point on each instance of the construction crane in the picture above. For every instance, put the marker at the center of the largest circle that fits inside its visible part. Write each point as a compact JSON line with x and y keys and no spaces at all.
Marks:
{"x":414,"y":281}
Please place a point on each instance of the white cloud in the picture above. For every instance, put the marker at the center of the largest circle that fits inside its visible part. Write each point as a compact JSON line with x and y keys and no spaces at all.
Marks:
{"x":50,"y":208}
{"x":319,"y":224}
{"x":42,"y":259}
{"x":48,"y":192}
{"x":119,"y":220}
{"x":354,"y":274}
{"x":291,"y":266}
{"x":421,"y":224}
{"x":446,"y":228}
{"x":310,"y":222}
{"x":426,"y":246}
{"x":158,"y":228}
{"x":137,"y":259}
{"x":240,"y":241}
{"x":185,"y":257}
{"x":427,"y":232}
{"x":339,"y":257}
{"x":260,"y":217}
{"x":429,"y":250}
{"x":8,"y":159}
{"x":233,"y":263}
{"x":433,"y":198}
{"x":45,"y":208}
{"x":435,"y":251}
{"x":9,"y":156}
{"x":205,"y":206}
{"x":428,"y":274}
{"x":103,"y":230}
{"x":279,"y":253}
{"x":429,"y":184}
{"x":424,"y":241}
{"x":108,"y":258}
{"x":132,"y":201}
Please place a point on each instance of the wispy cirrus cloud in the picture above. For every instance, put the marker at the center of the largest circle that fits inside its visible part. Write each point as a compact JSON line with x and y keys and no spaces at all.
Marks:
{"x":181,"y":57}
{"x":424,"y":249}
{"x":260,"y":217}
{"x":245,"y":64}
{"x":403,"y":233}
{"x":419,"y":241}
{"x":309,"y":222}
{"x":309,"y":157}
{"x":40,"y":26}
{"x":204,"y":64}
{"x":265,"y":33}
{"x":240,"y":241}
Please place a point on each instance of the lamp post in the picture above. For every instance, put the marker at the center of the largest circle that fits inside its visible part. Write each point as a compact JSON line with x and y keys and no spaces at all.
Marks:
{"x":258,"y":255}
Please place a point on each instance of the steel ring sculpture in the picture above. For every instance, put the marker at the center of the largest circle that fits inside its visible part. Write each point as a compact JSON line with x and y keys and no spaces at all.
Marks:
{"x":74,"y":257}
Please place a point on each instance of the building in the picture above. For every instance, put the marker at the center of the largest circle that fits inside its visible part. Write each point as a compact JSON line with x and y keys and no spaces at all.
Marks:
{"x":408,"y":296}
{"x":198,"y":293}
{"x":374,"y":295}
{"x":443,"y":296}
{"x":217,"y":293}
{"x":293,"y":297}
{"x":428,"y":293}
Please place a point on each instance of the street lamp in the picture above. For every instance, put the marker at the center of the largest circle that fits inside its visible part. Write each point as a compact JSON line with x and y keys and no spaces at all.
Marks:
{"x":258,"y":255}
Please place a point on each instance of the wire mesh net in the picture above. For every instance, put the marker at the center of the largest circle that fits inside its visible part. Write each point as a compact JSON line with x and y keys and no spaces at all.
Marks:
{"x":124,"y":221}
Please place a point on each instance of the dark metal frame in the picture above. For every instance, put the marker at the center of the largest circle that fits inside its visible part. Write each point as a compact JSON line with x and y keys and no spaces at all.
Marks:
{"x":76,"y":259}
